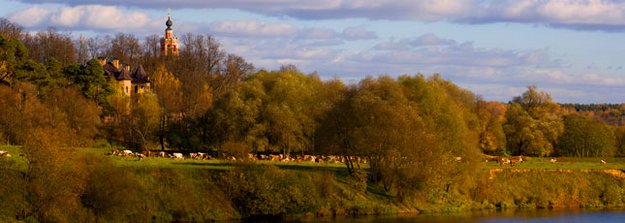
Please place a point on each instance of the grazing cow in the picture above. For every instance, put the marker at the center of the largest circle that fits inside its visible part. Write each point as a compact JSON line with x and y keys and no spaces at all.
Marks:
{"x":202,"y":156}
{"x":162,"y":154}
{"x":251,"y":156}
{"x":603,"y":162}
{"x":115,"y":152}
{"x":3,"y":153}
{"x":193,"y":155}
{"x":177,"y":156}
{"x":148,"y":153}
{"x":140,"y":156}
{"x":516,"y":160}
{"x":553,"y":160}
{"x":458,"y":158}
{"x":504,"y":161}
{"x":127,"y":153}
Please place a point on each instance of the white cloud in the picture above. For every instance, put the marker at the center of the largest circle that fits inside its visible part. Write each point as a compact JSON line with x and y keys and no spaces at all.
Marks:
{"x":89,"y":17}
{"x":575,"y":14}
{"x":32,"y":16}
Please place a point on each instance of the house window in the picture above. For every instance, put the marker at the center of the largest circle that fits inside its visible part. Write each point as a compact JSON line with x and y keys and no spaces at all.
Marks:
{"x":136,"y":89}
{"x":127,"y":90}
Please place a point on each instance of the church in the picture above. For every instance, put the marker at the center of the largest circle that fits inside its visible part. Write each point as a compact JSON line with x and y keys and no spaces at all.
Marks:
{"x":134,"y":80}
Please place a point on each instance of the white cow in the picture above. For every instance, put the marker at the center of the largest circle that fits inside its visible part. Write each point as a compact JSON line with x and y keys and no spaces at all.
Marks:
{"x":201,"y":156}
{"x":127,"y":153}
{"x":178,"y":156}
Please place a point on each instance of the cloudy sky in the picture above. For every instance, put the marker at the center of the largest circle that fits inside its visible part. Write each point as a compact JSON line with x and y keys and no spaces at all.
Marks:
{"x":574,"y":49}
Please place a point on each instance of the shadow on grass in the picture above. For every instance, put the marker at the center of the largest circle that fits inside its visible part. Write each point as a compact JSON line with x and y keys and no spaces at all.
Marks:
{"x":338,"y":171}
{"x":207,"y":165}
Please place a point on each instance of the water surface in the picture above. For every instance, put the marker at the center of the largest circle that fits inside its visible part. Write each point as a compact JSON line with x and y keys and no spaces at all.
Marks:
{"x":534,"y":216}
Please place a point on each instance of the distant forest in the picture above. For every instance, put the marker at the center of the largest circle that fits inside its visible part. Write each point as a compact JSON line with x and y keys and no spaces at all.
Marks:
{"x":207,"y":99}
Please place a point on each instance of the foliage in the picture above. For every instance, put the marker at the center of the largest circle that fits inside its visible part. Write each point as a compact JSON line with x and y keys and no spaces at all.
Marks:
{"x":275,"y":111}
{"x":585,"y":137}
{"x":492,"y":116}
{"x":533,"y":124}
{"x":89,"y":78}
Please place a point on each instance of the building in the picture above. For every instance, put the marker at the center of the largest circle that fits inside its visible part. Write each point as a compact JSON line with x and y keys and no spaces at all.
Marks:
{"x":169,"y":43}
{"x":134,"y":80}
{"x":131,"y":80}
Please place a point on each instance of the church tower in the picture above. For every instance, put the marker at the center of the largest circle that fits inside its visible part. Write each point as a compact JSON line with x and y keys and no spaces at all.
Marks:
{"x":169,"y":43}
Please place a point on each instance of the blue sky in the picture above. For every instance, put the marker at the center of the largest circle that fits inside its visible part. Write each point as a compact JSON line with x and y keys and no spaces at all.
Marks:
{"x":574,"y":49}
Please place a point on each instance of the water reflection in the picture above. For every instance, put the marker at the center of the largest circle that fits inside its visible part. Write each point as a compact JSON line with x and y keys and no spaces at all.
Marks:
{"x":538,"y":216}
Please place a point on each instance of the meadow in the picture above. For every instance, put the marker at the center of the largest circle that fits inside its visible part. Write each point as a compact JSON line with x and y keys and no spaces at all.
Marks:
{"x":562,"y":163}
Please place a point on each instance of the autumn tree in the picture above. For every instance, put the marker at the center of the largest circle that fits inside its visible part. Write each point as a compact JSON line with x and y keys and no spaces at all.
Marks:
{"x":585,"y":137}
{"x":619,"y":134}
{"x":11,"y":30}
{"x":533,"y":124}
{"x":274,"y":112}
{"x":492,"y":116}
{"x":169,"y":93}
{"x":144,"y":119}
{"x":125,"y":47}
{"x":49,"y":180}
{"x":448,"y":112}
{"x":46,"y":45}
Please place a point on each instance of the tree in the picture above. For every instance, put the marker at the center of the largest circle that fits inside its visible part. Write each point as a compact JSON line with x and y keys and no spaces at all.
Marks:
{"x":408,"y":145}
{"x":13,"y":55}
{"x":169,"y":93}
{"x":45,"y":45}
{"x":533,"y":124}
{"x":619,"y":133}
{"x":89,"y":78}
{"x":492,"y":117}
{"x":11,"y":30}
{"x":124,"y":47}
{"x":145,"y":119}
{"x":50,"y":180}
{"x":449,"y":114}
{"x":585,"y":137}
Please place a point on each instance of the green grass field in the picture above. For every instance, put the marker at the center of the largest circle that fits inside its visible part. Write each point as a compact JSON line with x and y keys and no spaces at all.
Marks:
{"x":157,"y":162}
{"x":565,"y":163}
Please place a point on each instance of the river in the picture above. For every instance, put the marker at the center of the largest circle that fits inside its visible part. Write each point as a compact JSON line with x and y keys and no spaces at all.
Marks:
{"x":534,"y":216}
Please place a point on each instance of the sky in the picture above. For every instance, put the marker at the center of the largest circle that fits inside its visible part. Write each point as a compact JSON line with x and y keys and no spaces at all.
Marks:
{"x":573,"y":49}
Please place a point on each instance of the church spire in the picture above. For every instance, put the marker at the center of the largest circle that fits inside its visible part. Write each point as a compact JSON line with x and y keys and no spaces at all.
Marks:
{"x":169,"y":43}
{"x":169,"y":23}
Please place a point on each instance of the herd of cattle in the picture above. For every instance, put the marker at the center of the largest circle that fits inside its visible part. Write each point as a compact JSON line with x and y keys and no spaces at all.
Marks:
{"x":512,"y":160}
{"x":223,"y":156}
